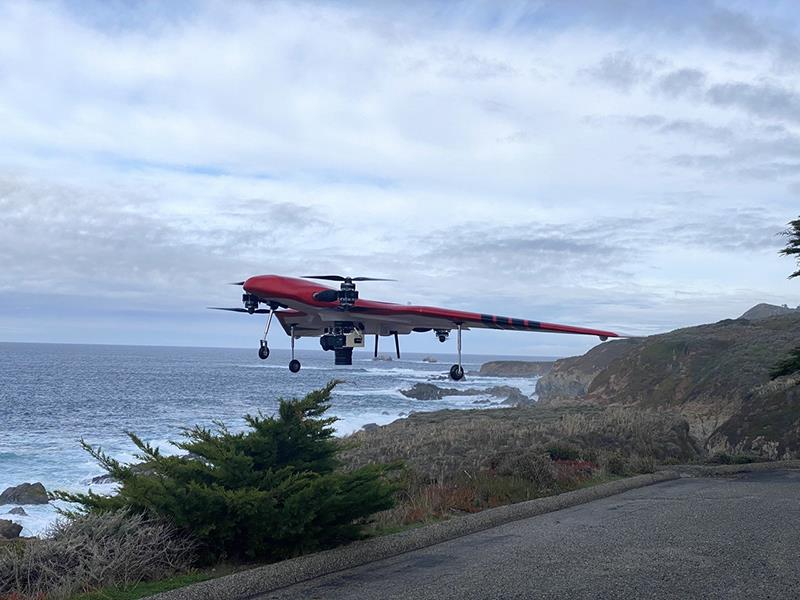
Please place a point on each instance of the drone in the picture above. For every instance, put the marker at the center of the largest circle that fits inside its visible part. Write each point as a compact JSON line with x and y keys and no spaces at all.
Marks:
{"x":342,"y":321}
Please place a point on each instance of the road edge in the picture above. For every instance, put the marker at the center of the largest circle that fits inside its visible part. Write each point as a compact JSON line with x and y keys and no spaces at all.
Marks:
{"x":268,"y":578}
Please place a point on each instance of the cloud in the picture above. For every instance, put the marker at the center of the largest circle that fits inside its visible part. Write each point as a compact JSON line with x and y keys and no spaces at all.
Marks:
{"x":621,"y":70}
{"x":734,"y":30}
{"x":116,"y":244}
{"x":681,"y":82}
{"x":766,"y":100}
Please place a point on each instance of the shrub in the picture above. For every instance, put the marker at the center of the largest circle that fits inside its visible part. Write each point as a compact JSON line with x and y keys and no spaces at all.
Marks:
{"x":723,"y":458}
{"x":563,"y":452}
{"x":789,"y":365}
{"x":616,"y":464}
{"x":83,"y":553}
{"x":270,"y":492}
{"x":536,"y":467}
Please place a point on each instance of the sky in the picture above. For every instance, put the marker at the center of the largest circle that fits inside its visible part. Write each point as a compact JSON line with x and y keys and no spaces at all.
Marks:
{"x":619,"y":165}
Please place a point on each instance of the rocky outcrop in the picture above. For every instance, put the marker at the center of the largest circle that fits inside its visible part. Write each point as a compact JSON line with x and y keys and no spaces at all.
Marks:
{"x":19,"y":511}
{"x":9,"y":530}
{"x":764,"y":311}
{"x":427,"y":391}
{"x":25,"y":493}
{"x":515,"y":368}
{"x":569,"y":378}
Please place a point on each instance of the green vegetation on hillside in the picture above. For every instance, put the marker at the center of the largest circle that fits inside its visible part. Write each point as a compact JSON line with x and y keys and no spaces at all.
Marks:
{"x":789,"y":365}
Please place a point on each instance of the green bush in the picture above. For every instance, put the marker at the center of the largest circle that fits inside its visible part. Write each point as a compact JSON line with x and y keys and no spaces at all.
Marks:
{"x":270,"y":492}
{"x":724,"y":458}
{"x":563,"y":452}
{"x":789,"y":365}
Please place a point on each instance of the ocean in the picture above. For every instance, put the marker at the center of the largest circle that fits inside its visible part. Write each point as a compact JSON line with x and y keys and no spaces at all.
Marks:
{"x":52,"y":395}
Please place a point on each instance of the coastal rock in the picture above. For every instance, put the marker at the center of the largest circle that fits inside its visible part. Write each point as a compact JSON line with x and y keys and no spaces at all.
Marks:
{"x":9,"y":530}
{"x":514,"y":397}
{"x":25,"y":493}
{"x":18,"y":510}
{"x":370,"y":426}
{"x":430,"y":359}
{"x":139,"y":469}
{"x":515,"y":368}
{"x":427,"y":391}
{"x":101,"y":479}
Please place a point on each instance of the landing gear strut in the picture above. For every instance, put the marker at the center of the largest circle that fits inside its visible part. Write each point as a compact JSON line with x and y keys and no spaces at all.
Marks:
{"x":294,"y":364}
{"x":263,"y":349}
{"x":457,"y":371}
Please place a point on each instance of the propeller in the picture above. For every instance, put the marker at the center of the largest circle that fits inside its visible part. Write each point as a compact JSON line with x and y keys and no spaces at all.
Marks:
{"x":258,"y":311}
{"x":239,"y":283}
{"x":347,"y":295}
{"x":345,"y":279}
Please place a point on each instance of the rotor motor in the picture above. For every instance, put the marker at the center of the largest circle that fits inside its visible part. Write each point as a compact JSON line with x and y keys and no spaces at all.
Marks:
{"x":250,"y":302}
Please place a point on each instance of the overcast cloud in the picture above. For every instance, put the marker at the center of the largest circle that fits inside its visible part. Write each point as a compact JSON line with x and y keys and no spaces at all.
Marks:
{"x":620,"y":165}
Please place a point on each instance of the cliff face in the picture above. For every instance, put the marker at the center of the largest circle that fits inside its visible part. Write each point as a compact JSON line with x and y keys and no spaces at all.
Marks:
{"x":710,"y":374}
{"x":569,"y":378}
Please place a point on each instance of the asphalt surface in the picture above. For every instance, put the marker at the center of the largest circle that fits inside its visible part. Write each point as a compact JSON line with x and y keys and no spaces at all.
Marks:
{"x":732,"y":537}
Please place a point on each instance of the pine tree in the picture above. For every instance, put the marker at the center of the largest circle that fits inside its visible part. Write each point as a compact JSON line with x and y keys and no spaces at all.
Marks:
{"x":273,"y":491}
{"x":793,"y":245}
{"x":790,"y":364}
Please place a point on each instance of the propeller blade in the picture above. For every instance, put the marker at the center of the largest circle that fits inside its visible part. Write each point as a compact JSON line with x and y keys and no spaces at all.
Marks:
{"x":326,"y":277}
{"x":258,"y":311}
{"x":340,"y":278}
{"x":239,"y":283}
{"x":371,"y":279}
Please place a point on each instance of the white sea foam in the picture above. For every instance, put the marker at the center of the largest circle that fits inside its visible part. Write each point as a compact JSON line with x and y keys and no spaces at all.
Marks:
{"x":363,"y":393}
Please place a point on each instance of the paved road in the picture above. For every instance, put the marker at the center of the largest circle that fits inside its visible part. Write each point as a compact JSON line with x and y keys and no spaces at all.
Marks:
{"x":736,"y":537}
